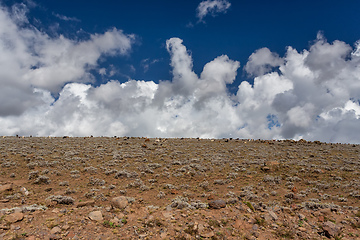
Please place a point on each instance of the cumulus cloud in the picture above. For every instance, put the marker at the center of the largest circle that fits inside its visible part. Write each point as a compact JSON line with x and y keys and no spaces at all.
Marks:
{"x":262,"y":61}
{"x":312,"y":94}
{"x":212,"y":7}
{"x":31,"y":59}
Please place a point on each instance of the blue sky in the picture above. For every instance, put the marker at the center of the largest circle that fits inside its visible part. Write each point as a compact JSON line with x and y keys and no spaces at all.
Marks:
{"x":245,"y":27}
{"x":211,"y":68}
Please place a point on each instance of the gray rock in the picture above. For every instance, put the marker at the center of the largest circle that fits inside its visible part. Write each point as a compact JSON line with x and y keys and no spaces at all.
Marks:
{"x":331,"y":229}
{"x":96,"y":216}
{"x":119,"y":202}
{"x":59,"y":199}
{"x":86,"y":203}
{"x":55,"y":230}
{"x":255,"y":227}
{"x":216,"y":204}
{"x":273,"y":215}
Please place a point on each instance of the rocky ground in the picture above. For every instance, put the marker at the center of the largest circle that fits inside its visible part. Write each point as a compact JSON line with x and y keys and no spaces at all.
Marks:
{"x":139,"y":188}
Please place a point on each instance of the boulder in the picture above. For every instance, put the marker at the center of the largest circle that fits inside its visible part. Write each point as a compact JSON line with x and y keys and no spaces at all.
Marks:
{"x":216,"y":204}
{"x":6,"y":187}
{"x":55,"y":230}
{"x":86,"y":203}
{"x":96,"y":216}
{"x":331,"y":229}
{"x":15,"y":217}
{"x":119,"y":202}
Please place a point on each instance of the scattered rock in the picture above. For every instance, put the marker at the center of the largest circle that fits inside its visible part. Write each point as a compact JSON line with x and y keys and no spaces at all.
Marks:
{"x":119,"y":202}
{"x":207,"y":234}
{"x":53,"y":237}
{"x":55,"y":230}
{"x":331,"y":229}
{"x":96,"y":216}
{"x":59,"y":199}
{"x":211,"y":197}
{"x":15,"y":217}
{"x":302,"y":229}
{"x":273,"y":215}
{"x":257,"y":209}
{"x":217,"y":204}
{"x":65,"y":227}
{"x":85,"y":203}
{"x":24,"y":191}
{"x":6,"y":187}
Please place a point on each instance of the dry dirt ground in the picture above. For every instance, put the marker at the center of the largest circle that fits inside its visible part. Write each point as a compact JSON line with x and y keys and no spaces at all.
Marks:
{"x":139,"y":188}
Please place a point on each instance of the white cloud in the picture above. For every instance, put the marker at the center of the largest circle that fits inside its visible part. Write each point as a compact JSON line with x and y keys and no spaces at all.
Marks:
{"x":212,"y":7}
{"x":19,"y":11}
{"x":262,"y":61}
{"x":31,"y":59}
{"x":65,"y":18}
{"x":312,"y":94}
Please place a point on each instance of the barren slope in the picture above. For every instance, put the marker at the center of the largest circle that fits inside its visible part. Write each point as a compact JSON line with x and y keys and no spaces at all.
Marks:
{"x":131,"y":188}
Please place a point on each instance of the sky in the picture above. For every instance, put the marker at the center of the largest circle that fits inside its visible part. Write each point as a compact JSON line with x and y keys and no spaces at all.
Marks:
{"x":199,"y":68}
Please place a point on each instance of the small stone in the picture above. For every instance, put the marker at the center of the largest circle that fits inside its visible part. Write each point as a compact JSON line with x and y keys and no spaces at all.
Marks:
{"x":13,"y":227}
{"x":174,"y":191}
{"x":50,"y":203}
{"x":287,"y":210}
{"x":55,"y":230}
{"x":302,"y":229}
{"x":6,"y":187}
{"x":265,"y":168}
{"x":86,"y":203}
{"x":53,"y":237}
{"x":255,"y":227}
{"x":331,"y":229}
{"x":273,"y":215}
{"x":207,"y":234}
{"x":326,"y":211}
{"x":15,"y":217}
{"x":65,"y":227}
{"x":24,"y":191}
{"x":96,"y":216}
{"x":216,"y":204}
{"x":211,"y":197}
{"x":267,"y":217}
{"x":119,"y":202}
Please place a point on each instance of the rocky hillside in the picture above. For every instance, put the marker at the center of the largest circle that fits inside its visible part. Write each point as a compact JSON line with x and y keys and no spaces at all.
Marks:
{"x":140,"y":188}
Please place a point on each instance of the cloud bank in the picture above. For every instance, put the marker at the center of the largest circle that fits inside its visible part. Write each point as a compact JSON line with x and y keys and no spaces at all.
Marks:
{"x":47,"y":89}
{"x":212,"y":7}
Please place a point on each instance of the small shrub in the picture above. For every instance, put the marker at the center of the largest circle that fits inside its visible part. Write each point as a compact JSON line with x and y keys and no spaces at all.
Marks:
{"x":62,"y":199}
{"x":42,"y":179}
{"x":250,"y":206}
